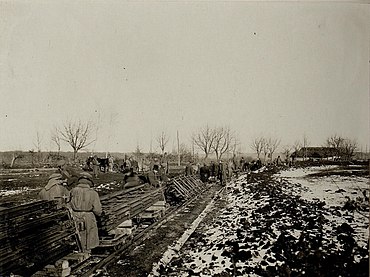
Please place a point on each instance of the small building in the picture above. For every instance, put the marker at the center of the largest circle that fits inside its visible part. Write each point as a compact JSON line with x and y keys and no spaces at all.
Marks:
{"x":315,"y":153}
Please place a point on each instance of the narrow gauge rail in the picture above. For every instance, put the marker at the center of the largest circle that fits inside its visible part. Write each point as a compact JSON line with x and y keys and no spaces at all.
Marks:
{"x":37,"y":234}
{"x":86,"y":270}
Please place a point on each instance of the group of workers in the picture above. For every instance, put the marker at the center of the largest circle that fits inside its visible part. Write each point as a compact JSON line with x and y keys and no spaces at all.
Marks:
{"x":221,"y":171}
{"x":94,"y":164}
{"x":81,"y":199}
{"x":75,"y":191}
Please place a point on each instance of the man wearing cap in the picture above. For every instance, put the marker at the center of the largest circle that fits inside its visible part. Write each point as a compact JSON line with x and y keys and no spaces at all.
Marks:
{"x":85,"y":204}
{"x":96,"y":166}
{"x":55,"y":190}
{"x":67,"y":172}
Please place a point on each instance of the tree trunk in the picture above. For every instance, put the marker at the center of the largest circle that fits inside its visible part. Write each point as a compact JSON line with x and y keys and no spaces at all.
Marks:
{"x":217,"y":156}
{"x":205,"y":158}
{"x":13,"y":161}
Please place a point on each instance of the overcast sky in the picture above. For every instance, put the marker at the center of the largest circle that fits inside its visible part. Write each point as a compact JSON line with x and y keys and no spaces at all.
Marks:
{"x":136,"y":68}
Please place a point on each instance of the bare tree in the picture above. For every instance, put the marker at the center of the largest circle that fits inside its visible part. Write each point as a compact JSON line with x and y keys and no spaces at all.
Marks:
{"x":234,"y":146}
{"x":265,"y":149}
{"x":336,"y":142}
{"x":297,"y":146}
{"x":204,"y":140}
{"x":185,"y":153}
{"x":15,"y":155}
{"x":343,"y":147}
{"x":348,"y":148}
{"x":287,"y":150}
{"x":162,"y":140}
{"x":77,"y":135}
{"x":272,"y":145}
{"x":37,"y":143}
{"x":55,"y":137}
{"x":257,"y":145}
{"x":222,"y":141}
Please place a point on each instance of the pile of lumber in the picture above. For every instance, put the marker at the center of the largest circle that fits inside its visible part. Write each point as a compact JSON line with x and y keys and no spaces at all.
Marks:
{"x":183,"y":188}
{"x":126,"y":204}
{"x":33,"y":235}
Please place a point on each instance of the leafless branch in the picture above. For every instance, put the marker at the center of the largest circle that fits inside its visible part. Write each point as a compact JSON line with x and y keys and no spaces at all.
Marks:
{"x":204,"y":139}
{"x":162,"y":140}
{"x":77,"y":135}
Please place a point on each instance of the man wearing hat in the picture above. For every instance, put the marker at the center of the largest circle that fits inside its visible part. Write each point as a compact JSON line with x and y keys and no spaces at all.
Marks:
{"x":68,"y":173}
{"x":55,"y":190}
{"x":85,"y":204}
{"x":221,"y":174}
{"x":96,"y":166}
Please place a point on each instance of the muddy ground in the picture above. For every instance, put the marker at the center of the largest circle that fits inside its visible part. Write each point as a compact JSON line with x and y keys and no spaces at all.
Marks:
{"x":264,"y":224}
{"x":22,"y":186}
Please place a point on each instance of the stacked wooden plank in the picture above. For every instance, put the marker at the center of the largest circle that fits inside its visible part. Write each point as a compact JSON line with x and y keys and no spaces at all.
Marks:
{"x":183,"y":188}
{"x":126,"y":204}
{"x":32,"y":235}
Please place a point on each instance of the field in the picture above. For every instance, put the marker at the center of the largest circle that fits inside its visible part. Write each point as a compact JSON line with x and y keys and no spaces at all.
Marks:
{"x":308,"y":221}
{"x":297,"y":222}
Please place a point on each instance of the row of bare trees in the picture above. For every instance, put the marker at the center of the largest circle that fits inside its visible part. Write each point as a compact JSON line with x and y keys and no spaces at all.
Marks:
{"x":265,"y":146}
{"x":344,"y":147}
{"x":217,"y":140}
{"x":210,"y":140}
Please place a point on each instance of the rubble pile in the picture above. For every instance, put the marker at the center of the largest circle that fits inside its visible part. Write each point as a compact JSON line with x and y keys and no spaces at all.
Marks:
{"x":268,"y":229}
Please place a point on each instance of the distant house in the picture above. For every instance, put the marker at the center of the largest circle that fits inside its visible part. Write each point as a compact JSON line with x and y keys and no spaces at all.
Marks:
{"x":315,"y":152}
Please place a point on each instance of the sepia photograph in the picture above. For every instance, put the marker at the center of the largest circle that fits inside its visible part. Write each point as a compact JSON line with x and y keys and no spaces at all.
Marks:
{"x":183,"y":138}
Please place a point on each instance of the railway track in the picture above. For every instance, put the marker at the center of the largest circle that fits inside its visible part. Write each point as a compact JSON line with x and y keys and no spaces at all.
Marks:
{"x":97,"y":263}
{"x":40,"y":227}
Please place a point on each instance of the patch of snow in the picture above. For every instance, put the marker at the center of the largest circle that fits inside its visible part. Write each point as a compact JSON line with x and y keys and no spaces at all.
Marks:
{"x":207,"y":257}
{"x":15,"y":191}
{"x":304,"y":171}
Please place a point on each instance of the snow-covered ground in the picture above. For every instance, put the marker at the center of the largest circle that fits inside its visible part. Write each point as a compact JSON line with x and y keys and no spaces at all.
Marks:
{"x":290,"y":223}
{"x":335,"y":191}
{"x":15,"y":191}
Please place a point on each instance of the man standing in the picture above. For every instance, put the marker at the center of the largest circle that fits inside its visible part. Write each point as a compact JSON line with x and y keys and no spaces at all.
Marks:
{"x":96,"y":165}
{"x":85,"y":205}
{"x":110,"y":163}
{"x":221,"y":173}
{"x":55,"y":190}
{"x":204,"y":173}
{"x":241,"y":164}
{"x":189,"y":169}
{"x":68,"y":173}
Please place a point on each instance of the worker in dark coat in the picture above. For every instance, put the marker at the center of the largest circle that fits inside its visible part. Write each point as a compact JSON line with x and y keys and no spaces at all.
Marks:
{"x":204,"y":173}
{"x":242,"y":164}
{"x":212,"y":169}
{"x":152,"y":178}
{"x":131,"y":180}
{"x":221,"y":174}
{"x":68,"y":173}
{"x":189,"y":169}
{"x":85,"y":205}
{"x":55,"y":190}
